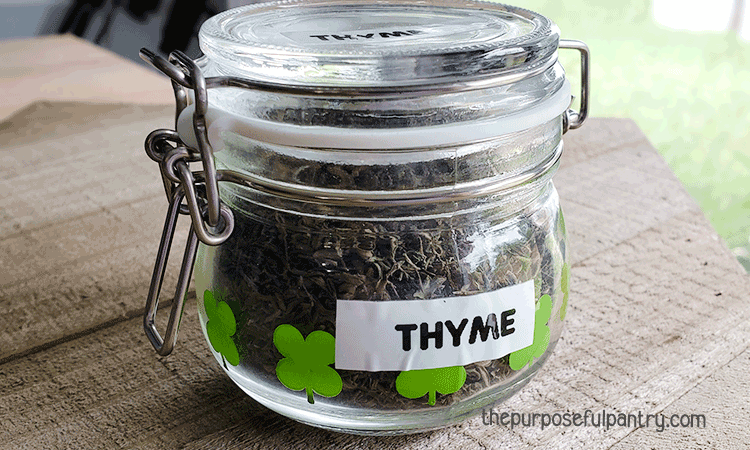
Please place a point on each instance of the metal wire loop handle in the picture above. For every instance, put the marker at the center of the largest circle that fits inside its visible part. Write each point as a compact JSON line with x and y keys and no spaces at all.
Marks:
{"x":184,"y":73}
{"x":172,"y":161}
{"x":165,"y":345}
{"x":185,"y":190}
{"x":226,"y":223}
{"x":573,"y":119}
{"x":159,"y":145}
{"x":211,"y":221}
{"x":166,"y":67}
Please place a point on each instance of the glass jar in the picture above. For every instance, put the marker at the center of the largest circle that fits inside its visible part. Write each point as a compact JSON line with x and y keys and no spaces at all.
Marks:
{"x":397,"y":258}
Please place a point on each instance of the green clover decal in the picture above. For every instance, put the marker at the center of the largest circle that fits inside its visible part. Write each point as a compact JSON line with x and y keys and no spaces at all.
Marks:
{"x":564,"y":287}
{"x":220,"y":328}
{"x":521,"y":358}
{"x":306,"y":362}
{"x":417,"y":383}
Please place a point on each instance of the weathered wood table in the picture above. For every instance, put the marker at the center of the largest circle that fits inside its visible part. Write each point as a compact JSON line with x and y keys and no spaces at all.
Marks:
{"x":658,"y":319}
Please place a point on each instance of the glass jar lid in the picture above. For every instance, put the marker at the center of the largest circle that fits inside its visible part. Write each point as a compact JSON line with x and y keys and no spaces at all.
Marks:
{"x":376,"y":43}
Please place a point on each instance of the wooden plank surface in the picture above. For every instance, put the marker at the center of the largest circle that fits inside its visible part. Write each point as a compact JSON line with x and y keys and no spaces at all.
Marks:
{"x":658,"y":317}
{"x":64,"y":67}
{"x":657,"y":304}
{"x":82,"y":208}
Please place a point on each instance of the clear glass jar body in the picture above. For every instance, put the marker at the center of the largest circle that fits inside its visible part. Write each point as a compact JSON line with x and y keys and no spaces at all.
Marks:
{"x":290,"y":261}
{"x":385,"y":170}
{"x":395,"y":259}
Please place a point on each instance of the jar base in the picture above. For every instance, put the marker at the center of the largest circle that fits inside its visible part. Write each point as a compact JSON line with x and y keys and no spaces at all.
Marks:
{"x":372,"y":422}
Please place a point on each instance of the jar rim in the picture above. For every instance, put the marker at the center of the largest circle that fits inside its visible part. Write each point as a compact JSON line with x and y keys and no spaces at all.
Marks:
{"x":378,"y":43}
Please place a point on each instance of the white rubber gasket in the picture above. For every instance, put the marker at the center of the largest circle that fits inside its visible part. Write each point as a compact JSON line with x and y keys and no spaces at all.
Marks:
{"x":371,"y":139}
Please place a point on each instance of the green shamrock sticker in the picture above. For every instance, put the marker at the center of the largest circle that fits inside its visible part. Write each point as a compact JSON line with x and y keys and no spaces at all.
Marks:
{"x":417,"y":383}
{"x":306,"y":362}
{"x":564,"y":283}
{"x":220,"y":328}
{"x":521,"y":358}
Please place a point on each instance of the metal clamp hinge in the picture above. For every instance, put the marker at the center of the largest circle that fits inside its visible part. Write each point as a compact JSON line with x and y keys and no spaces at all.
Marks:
{"x":573,"y":119}
{"x":211,"y":221}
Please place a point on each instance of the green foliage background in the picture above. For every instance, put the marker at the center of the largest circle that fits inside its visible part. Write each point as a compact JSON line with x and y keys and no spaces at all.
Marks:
{"x":689,"y":92}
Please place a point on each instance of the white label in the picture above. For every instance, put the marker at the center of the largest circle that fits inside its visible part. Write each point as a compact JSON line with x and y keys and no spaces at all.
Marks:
{"x":427,"y":334}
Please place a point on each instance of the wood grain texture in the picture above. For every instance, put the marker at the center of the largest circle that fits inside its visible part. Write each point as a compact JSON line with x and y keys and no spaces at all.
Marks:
{"x":723,"y":398}
{"x":64,"y":67}
{"x":657,"y":308}
{"x":82,"y":208}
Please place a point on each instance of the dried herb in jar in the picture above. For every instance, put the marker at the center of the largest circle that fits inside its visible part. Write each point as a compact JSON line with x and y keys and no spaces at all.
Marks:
{"x":283,"y":268}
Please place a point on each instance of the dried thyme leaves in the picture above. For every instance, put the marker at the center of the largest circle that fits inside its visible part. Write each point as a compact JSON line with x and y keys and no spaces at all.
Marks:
{"x":289,"y":269}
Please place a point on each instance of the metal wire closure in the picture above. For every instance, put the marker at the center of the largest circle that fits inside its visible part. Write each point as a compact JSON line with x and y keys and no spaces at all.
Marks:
{"x":441,"y":194}
{"x":212,"y":222}
{"x":574,"y":119}
{"x":165,"y":345}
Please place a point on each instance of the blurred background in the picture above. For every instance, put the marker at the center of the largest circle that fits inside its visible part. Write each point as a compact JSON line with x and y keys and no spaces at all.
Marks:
{"x":679,"y":68}
{"x":123,"y":26}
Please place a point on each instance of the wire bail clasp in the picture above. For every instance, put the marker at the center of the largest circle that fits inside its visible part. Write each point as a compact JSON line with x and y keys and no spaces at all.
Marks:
{"x":573,"y":119}
{"x":211,"y":221}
